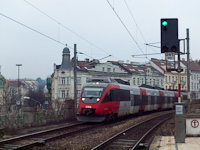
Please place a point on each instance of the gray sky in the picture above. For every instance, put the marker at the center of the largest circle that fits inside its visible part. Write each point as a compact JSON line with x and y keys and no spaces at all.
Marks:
{"x":102,"y":32}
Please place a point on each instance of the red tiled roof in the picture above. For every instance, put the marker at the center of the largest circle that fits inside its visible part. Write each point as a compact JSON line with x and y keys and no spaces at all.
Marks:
{"x":194,"y":66}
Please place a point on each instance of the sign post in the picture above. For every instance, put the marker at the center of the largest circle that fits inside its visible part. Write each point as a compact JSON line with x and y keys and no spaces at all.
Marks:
{"x":180,"y":123}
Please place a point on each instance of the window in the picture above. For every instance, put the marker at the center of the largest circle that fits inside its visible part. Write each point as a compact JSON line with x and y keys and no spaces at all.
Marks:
{"x":67,"y":94}
{"x":138,"y":81}
{"x":161,"y":82}
{"x":103,"y":69}
{"x":157,"y":82}
{"x":78,"y":93}
{"x":133,"y":81}
{"x":113,"y":69}
{"x":166,"y":78}
{"x":78,"y":80}
{"x":150,"y":82}
{"x":154,"y":82}
{"x":172,"y":78}
{"x":63,"y":80}
{"x":68,"y":80}
{"x":62,"y":93}
{"x":169,"y":78}
{"x":108,"y":69}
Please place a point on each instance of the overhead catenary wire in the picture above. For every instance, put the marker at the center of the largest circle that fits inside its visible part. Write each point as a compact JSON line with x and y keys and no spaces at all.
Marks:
{"x":147,"y":44}
{"x":33,"y":30}
{"x":60,"y":24}
{"x":135,"y":21}
{"x":43,"y":34}
{"x":127,"y":29}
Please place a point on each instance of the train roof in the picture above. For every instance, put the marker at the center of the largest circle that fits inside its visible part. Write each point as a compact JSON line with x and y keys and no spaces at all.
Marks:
{"x":107,"y":80}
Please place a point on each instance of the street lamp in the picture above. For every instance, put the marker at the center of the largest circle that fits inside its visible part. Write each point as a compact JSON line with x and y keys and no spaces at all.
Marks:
{"x":35,"y":101}
{"x":18,"y":96}
{"x":26,"y":97}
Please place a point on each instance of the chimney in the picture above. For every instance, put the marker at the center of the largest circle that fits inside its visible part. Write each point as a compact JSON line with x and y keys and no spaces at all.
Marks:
{"x":87,"y":60}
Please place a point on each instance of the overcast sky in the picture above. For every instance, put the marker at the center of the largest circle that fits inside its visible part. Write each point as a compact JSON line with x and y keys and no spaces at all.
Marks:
{"x":92,"y":25}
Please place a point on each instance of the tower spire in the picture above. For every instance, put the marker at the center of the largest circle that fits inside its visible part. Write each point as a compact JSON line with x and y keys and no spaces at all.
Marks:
{"x":66,"y":64}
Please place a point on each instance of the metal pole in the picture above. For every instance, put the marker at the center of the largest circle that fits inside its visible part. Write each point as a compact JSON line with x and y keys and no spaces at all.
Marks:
{"x":75,"y":80}
{"x":188,"y":70}
{"x":179,"y":79}
{"x":18,"y":95}
{"x":145,"y":76}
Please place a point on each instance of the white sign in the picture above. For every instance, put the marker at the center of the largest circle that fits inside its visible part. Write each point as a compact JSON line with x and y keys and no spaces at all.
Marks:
{"x":169,"y":56}
{"x":192,"y":126}
{"x":179,"y":109}
{"x":18,"y":102}
{"x":194,"y":123}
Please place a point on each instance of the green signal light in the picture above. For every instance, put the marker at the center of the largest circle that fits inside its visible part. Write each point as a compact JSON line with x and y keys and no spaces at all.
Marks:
{"x":164,"y":23}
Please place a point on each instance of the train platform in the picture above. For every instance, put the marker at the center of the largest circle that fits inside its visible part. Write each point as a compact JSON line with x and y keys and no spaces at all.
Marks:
{"x":168,"y":143}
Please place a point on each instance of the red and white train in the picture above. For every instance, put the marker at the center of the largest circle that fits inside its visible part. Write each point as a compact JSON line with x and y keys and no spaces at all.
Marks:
{"x":104,"y":98}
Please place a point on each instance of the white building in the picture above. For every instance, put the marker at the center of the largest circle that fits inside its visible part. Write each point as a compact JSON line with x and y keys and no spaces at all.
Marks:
{"x":62,"y":79}
{"x":194,"y":78}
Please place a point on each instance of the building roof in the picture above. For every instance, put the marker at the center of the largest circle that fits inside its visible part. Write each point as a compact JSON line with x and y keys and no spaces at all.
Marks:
{"x":66,"y":50}
{"x":194,"y":66}
{"x":25,"y":83}
{"x":163,"y":63}
{"x":134,"y":68}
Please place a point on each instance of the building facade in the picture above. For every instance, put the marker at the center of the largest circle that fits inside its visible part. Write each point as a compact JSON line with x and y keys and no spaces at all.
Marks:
{"x":194,"y":78}
{"x":62,"y":79}
{"x":171,"y":77}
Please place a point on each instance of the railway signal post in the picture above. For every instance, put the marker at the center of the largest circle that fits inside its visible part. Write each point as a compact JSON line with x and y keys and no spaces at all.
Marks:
{"x":170,"y":46}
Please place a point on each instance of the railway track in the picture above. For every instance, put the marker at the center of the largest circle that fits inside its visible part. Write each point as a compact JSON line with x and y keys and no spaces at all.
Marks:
{"x":41,"y":137}
{"x":134,"y":136}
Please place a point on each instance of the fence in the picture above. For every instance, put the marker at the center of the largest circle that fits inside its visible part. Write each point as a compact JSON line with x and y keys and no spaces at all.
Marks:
{"x":39,"y":118}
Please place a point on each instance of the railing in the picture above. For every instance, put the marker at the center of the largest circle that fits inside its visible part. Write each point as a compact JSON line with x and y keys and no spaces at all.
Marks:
{"x":40,"y":118}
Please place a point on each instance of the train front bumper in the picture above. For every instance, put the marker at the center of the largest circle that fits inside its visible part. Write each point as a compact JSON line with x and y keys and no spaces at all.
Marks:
{"x":90,"y":118}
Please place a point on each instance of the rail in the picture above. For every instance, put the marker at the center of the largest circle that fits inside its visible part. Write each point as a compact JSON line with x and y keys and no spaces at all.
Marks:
{"x":134,"y":135}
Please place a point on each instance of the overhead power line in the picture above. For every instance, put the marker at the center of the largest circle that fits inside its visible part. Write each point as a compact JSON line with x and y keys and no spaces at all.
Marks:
{"x":135,"y":21}
{"x":33,"y":30}
{"x":147,"y":44}
{"x":66,"y":27}
{"x":127,"y":29}
{"x":45,"y":35}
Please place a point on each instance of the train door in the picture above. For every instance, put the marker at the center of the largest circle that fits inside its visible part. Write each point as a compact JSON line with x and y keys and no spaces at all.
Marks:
{"x":114,"y":101}
{"x":132,"y":102}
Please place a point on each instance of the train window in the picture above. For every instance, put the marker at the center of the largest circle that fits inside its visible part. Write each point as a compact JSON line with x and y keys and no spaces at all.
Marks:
{"x":92,"y":92}
{"x":152,"y":100}
{"x":117,"y":95}
{"x":91,"y":95}
{"x":145,"y":100}
{"x":108,"y":97}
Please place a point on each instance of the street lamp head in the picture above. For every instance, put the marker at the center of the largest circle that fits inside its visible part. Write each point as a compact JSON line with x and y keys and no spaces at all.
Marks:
{"x":18,"y":64}
{"x":26,"y":97}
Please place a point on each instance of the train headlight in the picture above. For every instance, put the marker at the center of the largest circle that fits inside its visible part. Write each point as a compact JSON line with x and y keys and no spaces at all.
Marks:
{"x":98,"y":99}
{"x":83,"y":99}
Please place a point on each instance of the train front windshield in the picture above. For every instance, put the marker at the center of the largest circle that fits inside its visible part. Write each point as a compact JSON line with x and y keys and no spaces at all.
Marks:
{"x":92,"y":95}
